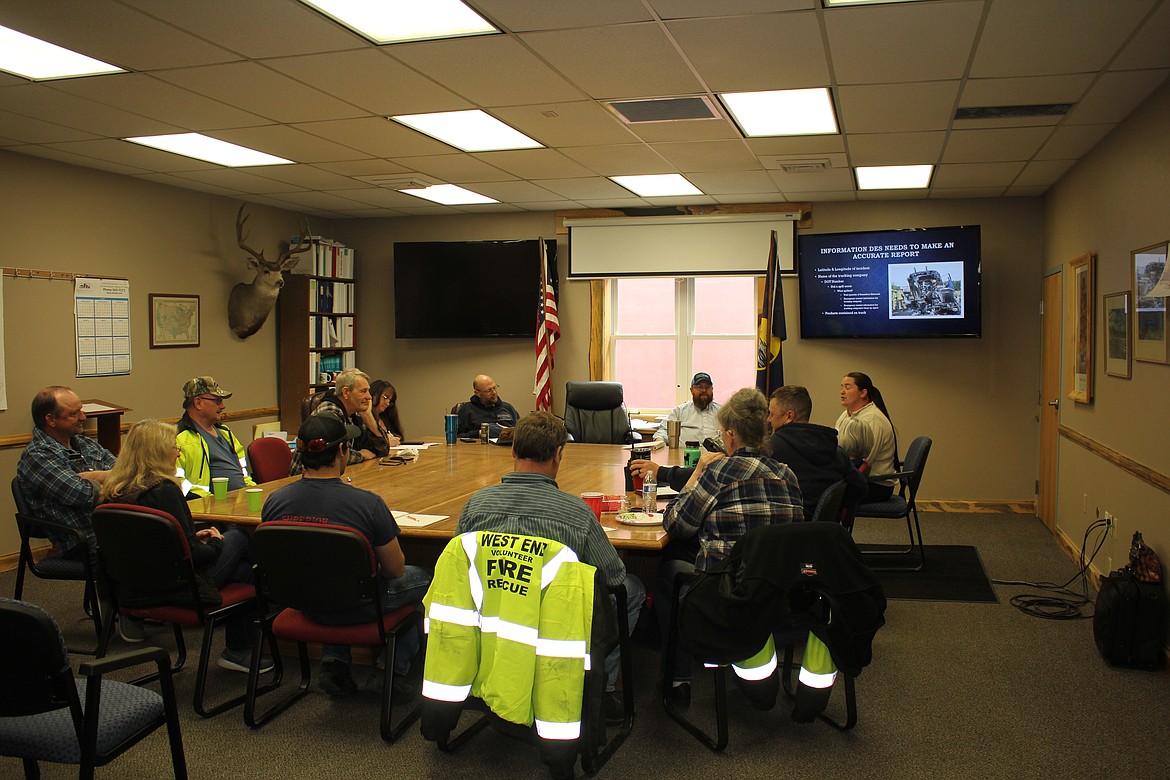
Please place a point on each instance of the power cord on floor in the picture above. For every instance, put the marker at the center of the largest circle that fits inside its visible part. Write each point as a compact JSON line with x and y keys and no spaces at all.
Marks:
{"x":1062,"y":603}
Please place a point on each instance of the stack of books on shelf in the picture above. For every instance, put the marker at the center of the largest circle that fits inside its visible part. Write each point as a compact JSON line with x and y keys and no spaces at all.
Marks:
{"x":331,"y":297}
{"x":331,"y":333}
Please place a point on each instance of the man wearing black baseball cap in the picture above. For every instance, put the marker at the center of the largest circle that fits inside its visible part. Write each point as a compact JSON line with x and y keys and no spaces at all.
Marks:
{"x":320,"y":496}
{"x":696,"y":415}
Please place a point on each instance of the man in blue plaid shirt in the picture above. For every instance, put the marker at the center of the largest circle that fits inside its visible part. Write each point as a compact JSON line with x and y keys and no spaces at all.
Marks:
{"x":62,"y":469}
{"x":724,"y":499}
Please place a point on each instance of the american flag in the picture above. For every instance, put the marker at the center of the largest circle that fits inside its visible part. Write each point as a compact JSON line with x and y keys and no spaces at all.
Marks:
{"x":548,"y":329}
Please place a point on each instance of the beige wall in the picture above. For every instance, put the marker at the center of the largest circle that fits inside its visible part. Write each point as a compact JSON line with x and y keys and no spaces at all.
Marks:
{"x":165,"y":240}
{"x":975,"y":398}
{"x":1116,"y":200}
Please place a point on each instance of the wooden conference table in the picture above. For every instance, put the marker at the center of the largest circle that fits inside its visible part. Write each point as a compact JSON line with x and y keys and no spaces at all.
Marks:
{"x":443,"y":478}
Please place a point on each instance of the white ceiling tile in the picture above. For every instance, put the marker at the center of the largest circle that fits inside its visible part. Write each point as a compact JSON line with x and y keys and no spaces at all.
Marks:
{"x":732,"y":182}
{"x":1071,"y":142}
{"x":52,"y":105}
{"x":976,"y":175}
{"x":1021,"y":143}
{"x":262,"y":91}
{"x":623,"y":160}
{"x":896,"y":148}
{"x":1115,"y":95}
{"x":592,"y":187}
{"x":771,"y":51}
{"x":1032,"y":38}
{"x":1029,"y":91}
{"x":291,"y":143}
{"x":371,"y":81}
{"x":897,"y":108}
{"x":453,"y":168}
{"x":518,"y":15}
{"x":912,"y":44}
{"x":566,"y":124}
{"x":1043,"y":172}
{"x":708,"y":156}
{"x":535,"y":164}
{"x":611,"y":62}
{"x":376,"y":136}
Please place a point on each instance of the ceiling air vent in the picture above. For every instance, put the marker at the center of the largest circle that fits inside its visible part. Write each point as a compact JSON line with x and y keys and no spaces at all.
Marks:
{"x":671,"y":109}
{"x":399,"y":181}
{"x":805,"y":166}
{"x":1013,"y":112}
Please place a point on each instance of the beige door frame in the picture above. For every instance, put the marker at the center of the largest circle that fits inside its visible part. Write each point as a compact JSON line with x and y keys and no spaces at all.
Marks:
{"x":1051,"y":320}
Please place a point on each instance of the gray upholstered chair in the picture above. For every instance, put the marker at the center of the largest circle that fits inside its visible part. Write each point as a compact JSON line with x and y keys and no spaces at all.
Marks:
{"x":41,"y":713}
{"x":595,"y":413}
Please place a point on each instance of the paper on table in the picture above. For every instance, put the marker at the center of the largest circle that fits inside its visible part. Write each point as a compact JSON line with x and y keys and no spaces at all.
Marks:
{"x":666,"y":491}
{"x":408,"y":520}
{"x":95,"y":408}
{"x":418,"y":446}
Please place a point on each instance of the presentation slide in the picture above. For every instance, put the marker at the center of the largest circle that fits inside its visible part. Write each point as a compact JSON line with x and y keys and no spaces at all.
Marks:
{"x":890,"y":284}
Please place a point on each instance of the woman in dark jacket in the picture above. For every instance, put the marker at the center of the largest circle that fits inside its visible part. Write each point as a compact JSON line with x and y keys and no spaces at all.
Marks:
{"x":381,"y":427}
{"x":145,"y":475}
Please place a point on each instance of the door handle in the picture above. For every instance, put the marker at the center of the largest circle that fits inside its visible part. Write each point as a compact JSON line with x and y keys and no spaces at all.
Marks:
{"x":1054,"y":403}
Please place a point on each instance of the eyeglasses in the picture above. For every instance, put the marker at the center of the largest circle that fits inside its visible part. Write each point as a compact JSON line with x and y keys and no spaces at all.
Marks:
{"x":212,"y":398}
{"x":491,"y":389}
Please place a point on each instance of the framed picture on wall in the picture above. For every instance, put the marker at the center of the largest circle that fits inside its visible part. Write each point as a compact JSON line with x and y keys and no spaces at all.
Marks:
{"x":1150,"y":285}
{"x":1080,"y":357}
{"x":174,"y":321}
{"x":1118,"y":345}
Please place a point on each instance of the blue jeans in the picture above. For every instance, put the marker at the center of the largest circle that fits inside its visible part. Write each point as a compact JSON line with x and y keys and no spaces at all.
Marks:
{"x":635,"y":598}
{"x":398,"y":592}
{"x":234,"y":564}
{"x":664,"y":599}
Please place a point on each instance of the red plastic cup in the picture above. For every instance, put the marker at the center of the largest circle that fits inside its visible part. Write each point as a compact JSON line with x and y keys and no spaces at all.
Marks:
{"x":594,"y":502}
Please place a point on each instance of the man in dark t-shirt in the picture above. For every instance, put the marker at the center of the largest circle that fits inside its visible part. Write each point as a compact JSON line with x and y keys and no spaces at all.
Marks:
{"x":320,"y":496}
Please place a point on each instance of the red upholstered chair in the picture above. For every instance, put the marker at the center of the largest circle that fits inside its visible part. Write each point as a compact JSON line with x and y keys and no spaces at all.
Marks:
{"x":321,"y":568}
{"x":270,"y":457}
{"x":144,"y":550}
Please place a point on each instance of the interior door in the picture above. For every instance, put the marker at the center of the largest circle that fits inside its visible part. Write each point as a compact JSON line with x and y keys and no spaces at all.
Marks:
{"x":1050,"y":342}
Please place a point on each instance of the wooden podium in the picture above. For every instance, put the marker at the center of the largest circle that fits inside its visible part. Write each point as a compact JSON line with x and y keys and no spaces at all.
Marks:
{"x":109,"y":422}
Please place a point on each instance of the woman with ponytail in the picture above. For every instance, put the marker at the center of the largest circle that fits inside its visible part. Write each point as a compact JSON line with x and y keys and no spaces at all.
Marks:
{"x":866,"y":433}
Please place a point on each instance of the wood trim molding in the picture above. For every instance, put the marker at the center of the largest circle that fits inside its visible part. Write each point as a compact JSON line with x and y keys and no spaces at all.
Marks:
{"x":22,"y":440}
{"x":1123,"y":462}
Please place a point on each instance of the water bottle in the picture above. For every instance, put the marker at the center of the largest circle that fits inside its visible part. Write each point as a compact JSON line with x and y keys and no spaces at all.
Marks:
{"x":649,"y":493}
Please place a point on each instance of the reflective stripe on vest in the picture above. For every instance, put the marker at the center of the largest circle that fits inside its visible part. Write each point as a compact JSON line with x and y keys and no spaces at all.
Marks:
{"x":553,"y":730}
{"x":441,"y":692}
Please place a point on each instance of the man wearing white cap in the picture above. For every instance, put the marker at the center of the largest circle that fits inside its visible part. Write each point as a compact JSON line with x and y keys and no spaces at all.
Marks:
{"x":207,"y":448}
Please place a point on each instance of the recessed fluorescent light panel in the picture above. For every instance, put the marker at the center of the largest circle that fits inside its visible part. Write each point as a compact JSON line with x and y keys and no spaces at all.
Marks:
{"x":397,"y":21}
{"x":782,"y":112}
{"x":40,"y":60}
{"x":471,"y":131}
{"x":893,"y":177}
{"x":657,"y":185}
{"x":449,"y":195}
{"x":202,"y":147}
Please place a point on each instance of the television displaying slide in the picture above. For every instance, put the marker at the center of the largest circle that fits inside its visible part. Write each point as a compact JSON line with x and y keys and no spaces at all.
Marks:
{"x":918,"y":283}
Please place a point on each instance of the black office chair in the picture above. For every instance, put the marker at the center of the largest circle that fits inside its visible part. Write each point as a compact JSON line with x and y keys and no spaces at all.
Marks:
{"x":595,"y":413}
{"x":902,"y":506}
{"x":53,"y":568}
{"x":779,"y":583}
{"x":320,"y":568}
{"x":831,"y":503}
{"x":144,"y":551}
{"x":41,"y":713}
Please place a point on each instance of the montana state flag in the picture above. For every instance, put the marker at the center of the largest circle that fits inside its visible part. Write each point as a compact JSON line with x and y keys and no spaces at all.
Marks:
{"x":771,"y":331}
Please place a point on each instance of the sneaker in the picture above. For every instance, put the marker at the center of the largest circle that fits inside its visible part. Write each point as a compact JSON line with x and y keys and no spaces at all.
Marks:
{"x":241,"y":661}
{"x":614,"y":708}
{"x":336,"y":680}
{"x":131,"y":630}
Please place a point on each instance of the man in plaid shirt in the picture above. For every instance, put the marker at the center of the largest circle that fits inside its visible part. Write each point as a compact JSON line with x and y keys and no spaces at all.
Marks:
{"x":725,"y":498}
{"x":61,"y":469}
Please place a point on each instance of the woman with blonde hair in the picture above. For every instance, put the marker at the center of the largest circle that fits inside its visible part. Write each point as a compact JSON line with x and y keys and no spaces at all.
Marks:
{"x":145,"y":475}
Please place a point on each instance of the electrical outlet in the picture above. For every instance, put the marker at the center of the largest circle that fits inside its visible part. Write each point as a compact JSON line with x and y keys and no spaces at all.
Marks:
{"x":1112,"y":525}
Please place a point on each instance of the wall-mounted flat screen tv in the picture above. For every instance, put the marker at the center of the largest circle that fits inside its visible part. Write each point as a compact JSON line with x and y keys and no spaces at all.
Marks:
{"x":467,"y":289}
{"x":914,"y":283}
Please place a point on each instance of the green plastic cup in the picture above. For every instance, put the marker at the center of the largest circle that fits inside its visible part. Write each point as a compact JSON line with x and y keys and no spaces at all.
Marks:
{"x":255,"y":498}
{"x":219,"y":487}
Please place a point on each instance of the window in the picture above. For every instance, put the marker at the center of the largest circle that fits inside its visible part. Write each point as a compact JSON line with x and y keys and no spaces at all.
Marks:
{"x":665,"y":330}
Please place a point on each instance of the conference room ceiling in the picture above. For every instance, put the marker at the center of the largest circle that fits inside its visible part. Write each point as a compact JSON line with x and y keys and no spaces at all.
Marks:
{"x":279,"y":77}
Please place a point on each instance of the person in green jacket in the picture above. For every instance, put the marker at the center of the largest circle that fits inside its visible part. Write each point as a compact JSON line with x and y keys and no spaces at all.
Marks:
{"x":207,"y":448}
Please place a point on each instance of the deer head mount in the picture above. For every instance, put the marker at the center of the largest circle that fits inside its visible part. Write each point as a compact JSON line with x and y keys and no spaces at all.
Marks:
{"x":250,"y":302}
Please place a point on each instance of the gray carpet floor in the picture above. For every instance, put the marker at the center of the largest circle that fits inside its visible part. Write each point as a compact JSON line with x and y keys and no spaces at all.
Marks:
{"x":955,"y":690}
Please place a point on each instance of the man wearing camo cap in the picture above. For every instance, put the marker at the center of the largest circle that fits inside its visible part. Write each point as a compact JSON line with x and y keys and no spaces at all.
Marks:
{"x":206,"y":447}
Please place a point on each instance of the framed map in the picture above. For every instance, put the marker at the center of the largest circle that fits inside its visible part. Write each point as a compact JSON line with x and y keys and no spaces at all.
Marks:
{"x":174,"y":321}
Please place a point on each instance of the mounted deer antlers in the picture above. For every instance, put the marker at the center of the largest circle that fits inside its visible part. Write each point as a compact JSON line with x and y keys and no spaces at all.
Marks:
{"x":249,"y":303}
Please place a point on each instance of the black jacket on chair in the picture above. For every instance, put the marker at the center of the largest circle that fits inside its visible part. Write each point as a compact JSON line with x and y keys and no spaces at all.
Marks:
{"x":781,"y":570}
